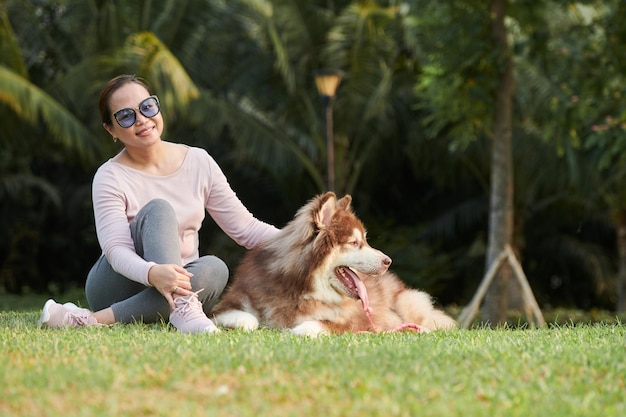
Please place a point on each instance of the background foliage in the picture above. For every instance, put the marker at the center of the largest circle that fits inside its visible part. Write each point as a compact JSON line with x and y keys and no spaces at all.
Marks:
{"x":235,"y":77}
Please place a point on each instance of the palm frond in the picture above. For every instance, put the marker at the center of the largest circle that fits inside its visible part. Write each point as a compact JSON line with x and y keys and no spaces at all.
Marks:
{"x":260,"y":140}
{"x":10,"y":54}
{"x":34,"y":105}
{"x":145,"y":53}
{"x":11,"y":187}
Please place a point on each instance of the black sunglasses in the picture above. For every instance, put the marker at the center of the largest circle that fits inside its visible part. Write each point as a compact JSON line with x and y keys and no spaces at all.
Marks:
{"x":127,"y":117}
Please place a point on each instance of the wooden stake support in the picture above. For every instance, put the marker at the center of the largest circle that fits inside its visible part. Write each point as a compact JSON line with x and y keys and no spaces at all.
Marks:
{"x":530,"y":303}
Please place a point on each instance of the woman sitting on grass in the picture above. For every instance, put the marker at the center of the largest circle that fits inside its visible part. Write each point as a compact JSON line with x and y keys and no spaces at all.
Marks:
{"x":149,"y":202}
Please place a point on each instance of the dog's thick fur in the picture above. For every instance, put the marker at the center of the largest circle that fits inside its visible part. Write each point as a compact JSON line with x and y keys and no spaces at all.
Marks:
{"x":299,"y":280}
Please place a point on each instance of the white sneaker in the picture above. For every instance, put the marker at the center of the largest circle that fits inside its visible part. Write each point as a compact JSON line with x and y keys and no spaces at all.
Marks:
{"x":65,"y":315}
{"x":188,"y":316}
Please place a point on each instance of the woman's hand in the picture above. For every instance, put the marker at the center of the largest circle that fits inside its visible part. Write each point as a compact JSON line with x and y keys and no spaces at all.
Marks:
{"x":170,"y":280}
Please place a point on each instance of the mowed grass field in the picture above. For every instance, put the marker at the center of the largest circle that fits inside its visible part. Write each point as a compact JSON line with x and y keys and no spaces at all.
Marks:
{"x":151,"y":370}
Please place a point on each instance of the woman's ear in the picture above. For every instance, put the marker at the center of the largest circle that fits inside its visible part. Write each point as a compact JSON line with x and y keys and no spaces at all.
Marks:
{"x":108,"y":129}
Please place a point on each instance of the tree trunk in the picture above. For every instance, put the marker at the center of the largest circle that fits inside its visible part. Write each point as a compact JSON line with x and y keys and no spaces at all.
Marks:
{"x":501,"y":194}
{"x":621,"y":252}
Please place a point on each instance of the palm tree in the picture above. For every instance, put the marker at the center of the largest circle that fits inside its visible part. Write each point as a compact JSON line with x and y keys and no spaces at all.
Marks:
{"x":467,"y":87}
{"x":501,"y":213}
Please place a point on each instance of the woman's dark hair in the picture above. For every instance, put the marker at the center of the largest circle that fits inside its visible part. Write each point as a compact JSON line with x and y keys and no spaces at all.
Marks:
{"x":111,"y":87}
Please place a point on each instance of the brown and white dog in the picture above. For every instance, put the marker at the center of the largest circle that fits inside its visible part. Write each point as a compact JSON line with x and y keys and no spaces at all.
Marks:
{"x":318,"y":275}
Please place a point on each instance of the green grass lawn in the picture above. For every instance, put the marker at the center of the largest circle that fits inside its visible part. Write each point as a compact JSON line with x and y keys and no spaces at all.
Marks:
{"x":141,"y":370}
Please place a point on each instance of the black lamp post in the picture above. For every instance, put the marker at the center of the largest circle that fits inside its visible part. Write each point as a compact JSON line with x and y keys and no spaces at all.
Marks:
{"x":327,"y":82}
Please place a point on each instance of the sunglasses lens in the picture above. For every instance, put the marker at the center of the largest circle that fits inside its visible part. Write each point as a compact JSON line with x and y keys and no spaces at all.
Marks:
{"x":125,"y":117}
{"x":149,"y":107}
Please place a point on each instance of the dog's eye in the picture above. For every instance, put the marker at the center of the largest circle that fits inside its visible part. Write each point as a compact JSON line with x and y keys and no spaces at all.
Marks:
{"x":354,"y":243}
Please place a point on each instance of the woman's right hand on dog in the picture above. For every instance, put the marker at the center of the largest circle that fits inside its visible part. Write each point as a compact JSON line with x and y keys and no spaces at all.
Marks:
{"x":170,"y":280}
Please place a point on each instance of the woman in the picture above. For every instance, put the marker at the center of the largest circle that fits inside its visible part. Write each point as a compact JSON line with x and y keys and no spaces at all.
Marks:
{"x":149,"y":202}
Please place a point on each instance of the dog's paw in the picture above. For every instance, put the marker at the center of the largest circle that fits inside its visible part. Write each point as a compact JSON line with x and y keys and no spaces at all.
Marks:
{"x":309,"y":328}
{"x":237,"y":319}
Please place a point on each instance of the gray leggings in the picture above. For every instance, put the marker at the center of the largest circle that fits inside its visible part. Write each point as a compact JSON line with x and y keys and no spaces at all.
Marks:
{"x":155,"y":233}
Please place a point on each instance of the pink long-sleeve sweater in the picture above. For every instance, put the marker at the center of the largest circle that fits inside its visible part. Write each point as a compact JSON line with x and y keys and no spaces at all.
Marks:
{"x":119,"y":192}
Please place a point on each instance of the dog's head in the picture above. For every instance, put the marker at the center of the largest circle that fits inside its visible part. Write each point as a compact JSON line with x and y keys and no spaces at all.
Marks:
{"x":340,"y":249}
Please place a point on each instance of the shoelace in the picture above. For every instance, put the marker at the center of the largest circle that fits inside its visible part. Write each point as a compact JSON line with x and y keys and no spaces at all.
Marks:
{"x":79,"y":319}
{"x":189,"y":307}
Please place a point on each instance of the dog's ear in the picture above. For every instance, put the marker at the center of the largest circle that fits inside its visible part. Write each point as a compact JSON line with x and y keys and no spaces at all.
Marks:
{"x":328,"y":207}
{"x":344,"y":203}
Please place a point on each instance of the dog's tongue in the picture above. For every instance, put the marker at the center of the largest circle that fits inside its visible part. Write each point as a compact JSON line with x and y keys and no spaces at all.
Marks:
{"x":360,"y":288}
{"x":362,"y":292}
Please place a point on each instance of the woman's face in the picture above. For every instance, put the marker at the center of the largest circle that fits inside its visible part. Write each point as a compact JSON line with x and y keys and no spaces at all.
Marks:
{"x":146,"y":130}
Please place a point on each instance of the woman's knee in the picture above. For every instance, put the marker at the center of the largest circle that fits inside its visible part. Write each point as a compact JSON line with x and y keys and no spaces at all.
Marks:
{"x":155,"y":222}
{"x":208,"y":272}
{"x":158,"y":207}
